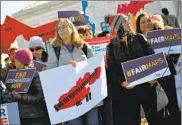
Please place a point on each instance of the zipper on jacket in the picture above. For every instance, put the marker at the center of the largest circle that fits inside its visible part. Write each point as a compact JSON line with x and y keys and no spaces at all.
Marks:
{"x":71,"y":53}
{"x":57,"y":62}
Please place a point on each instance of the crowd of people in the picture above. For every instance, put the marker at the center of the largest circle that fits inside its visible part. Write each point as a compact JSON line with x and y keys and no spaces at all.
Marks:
{"x":123,"y":104}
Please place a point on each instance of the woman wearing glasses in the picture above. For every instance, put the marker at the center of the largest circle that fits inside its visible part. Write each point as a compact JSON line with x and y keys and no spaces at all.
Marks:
{"x":37,"y":47}
{"x":69,"y":48}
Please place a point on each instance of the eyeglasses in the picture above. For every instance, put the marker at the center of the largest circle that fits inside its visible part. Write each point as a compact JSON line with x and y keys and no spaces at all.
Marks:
{"x":36,"y":49}
{"x":62,"y":27}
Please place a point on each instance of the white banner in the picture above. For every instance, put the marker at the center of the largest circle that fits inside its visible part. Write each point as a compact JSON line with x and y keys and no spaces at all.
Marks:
{"x":178,"y":66}
{"x":72,"y":91}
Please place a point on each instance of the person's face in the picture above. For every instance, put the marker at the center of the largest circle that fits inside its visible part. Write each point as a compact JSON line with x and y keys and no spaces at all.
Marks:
{"x":87,"y":35}
{"x":18,"y":64}
{"x":12,"y":54}
{"x":64,"y":30}
{"x":146,"y":24}
{"x":36,"y":51}
{"x":126,"y":25}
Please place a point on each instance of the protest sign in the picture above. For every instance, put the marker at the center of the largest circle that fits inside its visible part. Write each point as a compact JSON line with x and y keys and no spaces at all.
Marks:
{"x":98,"y":44}
{"x":166,"y":41}
{"x":76,"y":17}
{"x":178,"y":65}
{"x":39,"y":65}
{"x":19,"y":80}
{"x":145,"y":69}
{"x":178,"y":81}
{"x":81,"y":92}
{"x":9,"y":114}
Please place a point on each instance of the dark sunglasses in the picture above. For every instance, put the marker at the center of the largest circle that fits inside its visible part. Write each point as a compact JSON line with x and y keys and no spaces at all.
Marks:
{"x":36,"y":49}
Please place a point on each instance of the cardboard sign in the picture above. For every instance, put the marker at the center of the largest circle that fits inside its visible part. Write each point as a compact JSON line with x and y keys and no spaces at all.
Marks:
{"x":9,"y":114}
{"x":166,"y":41}
{"x":39,"y":65}
{"x":81,"y":92}
{"x":145,"y":69}
{"x":76,"y":17}
{"x":19,"y":80}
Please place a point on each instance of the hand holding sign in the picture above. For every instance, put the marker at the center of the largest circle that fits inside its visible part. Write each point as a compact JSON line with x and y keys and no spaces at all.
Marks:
{"x":73,"y":63}
{"x":145,"y":69}
{"x":126,"y":85}
{"x":16,"y":95}
{"x":19,"y":80}
{"x":166,"y":41}
{"x":152,"y":82}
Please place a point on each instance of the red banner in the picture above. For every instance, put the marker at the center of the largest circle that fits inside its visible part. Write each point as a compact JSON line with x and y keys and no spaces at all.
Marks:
{"x":13,"y":28}
{"x":97,"y":40}
{"x":133,"y":7}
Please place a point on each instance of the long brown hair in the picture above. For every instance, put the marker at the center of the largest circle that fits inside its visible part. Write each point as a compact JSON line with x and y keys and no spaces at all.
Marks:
{"x":75,"y":38}
{"x":138,"y":30}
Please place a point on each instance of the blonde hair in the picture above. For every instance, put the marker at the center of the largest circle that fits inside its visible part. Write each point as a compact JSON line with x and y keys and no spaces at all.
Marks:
{"x":157,"y":21}
{"x":75,"y":38}
{"x":168,"y":27}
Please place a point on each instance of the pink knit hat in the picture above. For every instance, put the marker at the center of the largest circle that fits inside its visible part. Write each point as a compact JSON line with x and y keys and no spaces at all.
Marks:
{"x":24,"y":56}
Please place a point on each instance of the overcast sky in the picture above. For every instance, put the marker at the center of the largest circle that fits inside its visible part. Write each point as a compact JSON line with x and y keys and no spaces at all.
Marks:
{"x":11,"y":7}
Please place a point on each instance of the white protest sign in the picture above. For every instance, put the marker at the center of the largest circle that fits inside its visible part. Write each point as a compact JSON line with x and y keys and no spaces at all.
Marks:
{"x":4,"y":115}
{"x":98,"y":44}
{"x":178,"y":66}
{"x":178,"y":81}
{"x":99,"y":47}
{"x":9,"y":114}
{"x":70,"y":91}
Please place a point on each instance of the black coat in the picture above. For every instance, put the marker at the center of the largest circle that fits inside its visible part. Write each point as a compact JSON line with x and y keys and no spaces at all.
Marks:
{"x":5,"y":96}
{"x":32,"y":104}
{"x":118,"y":52}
